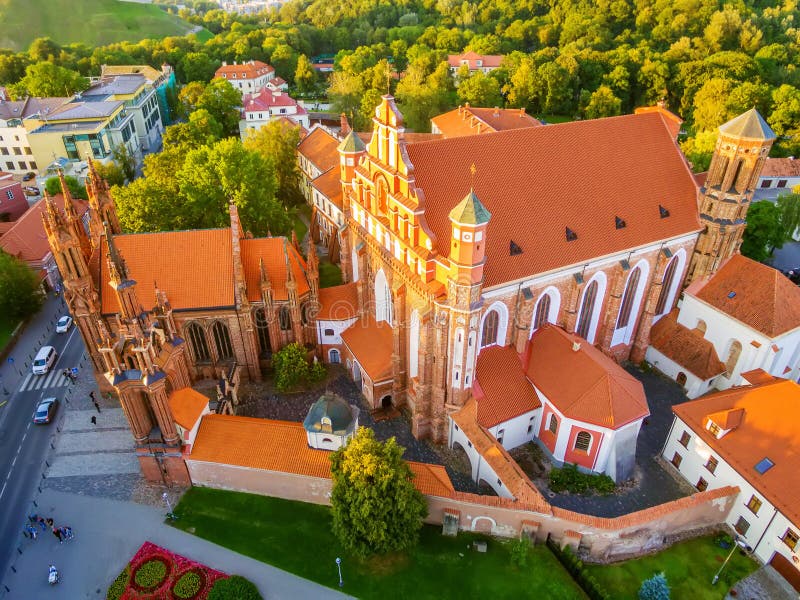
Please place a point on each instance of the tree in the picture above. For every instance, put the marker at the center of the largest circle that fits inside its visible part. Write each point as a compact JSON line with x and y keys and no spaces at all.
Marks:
{"x":305,"y":77}
{"x":219,"y":98}
{"x":198,"y":66}
{"x":111,"y":173}
{"x":764,"y":231}
{"x":53,"y":187}
{"x":290,"y":365}
{"x":201,"y":129}
{"x":20,"y":294}
{"x":376,"y":507}
{"x":277,"y":141}
{"x":480,"y":90}
{"x":344,"y":93}
{"x":698,"y":149}
{"x":47,"y":79}
{"x":603,"y":103}
{"x":655,"y":588}
{"x":789,"y":208}
{"x":125,"y":160}
{"x":710,"y":109}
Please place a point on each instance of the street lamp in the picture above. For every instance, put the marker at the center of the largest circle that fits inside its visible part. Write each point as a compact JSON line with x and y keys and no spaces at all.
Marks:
{"x":738,"y":542}
{"x":170,"y":515}
{"x":339,"y":566}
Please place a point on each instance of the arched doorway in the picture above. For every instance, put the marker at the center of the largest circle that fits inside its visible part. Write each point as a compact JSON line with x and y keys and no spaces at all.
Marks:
{"x":356,"y":372}
{"x":386,"y":402}
{"x":333,"y":356}
{"x":681,"y":379}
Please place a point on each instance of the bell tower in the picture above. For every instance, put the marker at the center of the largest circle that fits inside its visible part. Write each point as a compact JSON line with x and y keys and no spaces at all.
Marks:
{"x":742,"y":147}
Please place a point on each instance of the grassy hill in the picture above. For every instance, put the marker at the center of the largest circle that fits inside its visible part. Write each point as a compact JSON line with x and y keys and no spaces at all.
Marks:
{"x":93,"y":22}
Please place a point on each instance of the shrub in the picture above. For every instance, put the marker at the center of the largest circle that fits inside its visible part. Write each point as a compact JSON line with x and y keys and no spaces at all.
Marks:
{"x":151,"y":573}
{"x":234,"y":587}
{"x":572,"y":480}
{"x":290,"y":366}
{"x":120,"y":583}
{"x":187,"y":585}
{"x":317,"y":372}
{"x":655,"y":588}
{"x":520,"y":551}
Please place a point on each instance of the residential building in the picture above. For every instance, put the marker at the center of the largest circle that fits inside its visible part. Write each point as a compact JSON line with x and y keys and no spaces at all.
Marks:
{"x":162,"y":81}
{"x":744,"y":317}
{"x":266,"y":105}
{"x":16,"y":155}
{"x":12,"y":199}
{"x":26,"y":238}
{"x":277,"y":84}
{"x":778,"y":177}
{"x":140,"y":100}
{"x":747,"y":437}
{"x":468,"y":120}
{"x":248,"y":77}
{"x":475,"y":62}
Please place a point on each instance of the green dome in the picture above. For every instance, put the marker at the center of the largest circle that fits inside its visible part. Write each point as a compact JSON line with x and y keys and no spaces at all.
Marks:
{"x":331,"y":414}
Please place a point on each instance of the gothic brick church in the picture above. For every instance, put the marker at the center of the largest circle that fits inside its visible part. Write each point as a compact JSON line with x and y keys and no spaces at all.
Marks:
{"x":456,"y":245}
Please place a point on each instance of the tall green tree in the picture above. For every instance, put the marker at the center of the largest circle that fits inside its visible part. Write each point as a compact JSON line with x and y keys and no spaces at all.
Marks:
{"x":764,"y":232}
{"x":291,"y":366}
{"x":47,"y":79}
{"x":376,"y":507}
{"x":277,"y":141}
{"x":603,"y":103}
{"x":480,"y":90}
{"x":53,"y":187}
{"x":20,"y":294}
{"x":219,"y":98}
{"x":655,"y":588}
{"x":305,"y":77}
{"x":198,"y":66}
{"x":789,"y":208}
{"x":200,"y":129}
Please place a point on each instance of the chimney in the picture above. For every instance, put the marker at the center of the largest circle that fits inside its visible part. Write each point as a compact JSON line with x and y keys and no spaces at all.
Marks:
{"x":224,"y":63}
{"x":521,"y":112}
{"x":662,"y":103}
{"x":576,"y":346}
{"x":496,"y":112}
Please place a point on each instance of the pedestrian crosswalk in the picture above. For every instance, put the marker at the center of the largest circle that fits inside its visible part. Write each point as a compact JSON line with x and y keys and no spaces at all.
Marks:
{"x":53,"y":379}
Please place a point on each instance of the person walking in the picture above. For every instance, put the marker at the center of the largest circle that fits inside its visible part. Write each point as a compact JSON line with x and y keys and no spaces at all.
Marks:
{"x":57,"y":533}
{"x":96,"y":405}
{"x":94,"y":420}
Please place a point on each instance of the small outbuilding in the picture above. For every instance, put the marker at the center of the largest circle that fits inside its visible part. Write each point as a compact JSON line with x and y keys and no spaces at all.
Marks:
{"x":330,"y":423}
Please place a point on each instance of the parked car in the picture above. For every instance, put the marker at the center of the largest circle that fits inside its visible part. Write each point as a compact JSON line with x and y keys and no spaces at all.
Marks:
{"x":44,"y":361}
{"x":64,"y":323}
{"x":28,"y":176}
{"x":45,"y":411}
{"x":31,"y":190}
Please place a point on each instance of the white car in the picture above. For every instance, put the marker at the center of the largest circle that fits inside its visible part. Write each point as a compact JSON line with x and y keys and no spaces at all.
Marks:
{"x":64,"y":323}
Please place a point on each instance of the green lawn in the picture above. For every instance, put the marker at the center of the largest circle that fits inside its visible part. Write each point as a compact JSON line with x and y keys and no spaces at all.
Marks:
{"x":329,"y":274}
{"x":6,"y":329}
{"x":296,"y":537}
{"x":689,"y":567}
{"x":93,"y":22}
{"x":298,"y":224}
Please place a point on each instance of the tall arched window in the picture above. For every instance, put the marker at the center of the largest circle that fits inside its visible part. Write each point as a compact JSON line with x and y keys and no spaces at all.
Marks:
{"x":222,"y":340}
{"x":262,"y":330}
{"x":542,"y":313}
{"x":587,"y":311}
{"x":413,"y":345}
{"x":490,"y":325}
{"x":669,"y":284}
{"x":285,"y":318}
{"x":583,"y":441}
{"x":628,"y":297}
{"x":197,"y":341}
{"x":383,"y":196}
{"x":305,"y":313}
{"x":333,"y":356}
{"x":383,"y":298}
{"x":733,"y":357}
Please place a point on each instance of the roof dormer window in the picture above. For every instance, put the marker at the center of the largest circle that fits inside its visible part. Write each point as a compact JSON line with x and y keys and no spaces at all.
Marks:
{"x":764,"y":465}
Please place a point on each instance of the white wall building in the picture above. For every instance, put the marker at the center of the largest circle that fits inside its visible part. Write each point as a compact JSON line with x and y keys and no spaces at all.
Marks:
{"x":248,"y":77}
{"x":747,"y":437}
{"x":778,"y":176}
{"x":266,"y":105}
{"x":745,"y":317}
{"x":16,"y":155}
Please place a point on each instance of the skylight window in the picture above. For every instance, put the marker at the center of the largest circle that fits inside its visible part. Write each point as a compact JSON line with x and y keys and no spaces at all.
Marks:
{"x":514,"y":248}
{"x":731,"y":295}
{"x":619,"y":223}
{"x":764,"y":465}
{"x":663,"y":212}
{"x":571,"y":235}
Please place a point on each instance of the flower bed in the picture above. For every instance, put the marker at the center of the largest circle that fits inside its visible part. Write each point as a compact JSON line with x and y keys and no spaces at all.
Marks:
{"x":155,"y":573}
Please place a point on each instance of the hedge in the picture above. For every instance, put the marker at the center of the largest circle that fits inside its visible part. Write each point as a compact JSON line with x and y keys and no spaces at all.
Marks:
{"x":574,"y":567}
{"x":234,"y":587}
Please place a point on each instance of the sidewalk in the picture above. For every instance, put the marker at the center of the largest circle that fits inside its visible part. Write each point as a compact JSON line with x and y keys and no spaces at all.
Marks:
{"x":108,"y":533}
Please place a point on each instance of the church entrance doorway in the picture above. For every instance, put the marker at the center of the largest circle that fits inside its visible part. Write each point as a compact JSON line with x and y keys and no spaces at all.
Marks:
{"x":386,"y":402}
{"x":681,"y":379}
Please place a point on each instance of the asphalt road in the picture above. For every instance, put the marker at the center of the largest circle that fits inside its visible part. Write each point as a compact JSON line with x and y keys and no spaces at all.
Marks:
{"x":23,"y":445}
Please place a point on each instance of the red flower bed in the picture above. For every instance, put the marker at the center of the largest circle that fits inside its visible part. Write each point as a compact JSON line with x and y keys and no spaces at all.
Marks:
{"x":176,"y":566}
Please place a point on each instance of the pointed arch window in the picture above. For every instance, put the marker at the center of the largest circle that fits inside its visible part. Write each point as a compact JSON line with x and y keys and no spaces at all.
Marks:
{"x":490,"y":326}
{"x":733,"y":357}
{"x":285,"y":318}
{"x":587,"y":310}
{"x":666,"y":287}
{"x":222,"y":340}
{"x":628,"y":297}
{"x":262,"y":331}
{"x":198,"y":342}
{"x":542,"y":312}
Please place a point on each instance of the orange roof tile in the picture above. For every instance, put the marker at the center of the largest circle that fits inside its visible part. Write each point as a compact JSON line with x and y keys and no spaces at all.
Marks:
{"x":488,"y":60}
{"x":319,"y":147}
{"x":26,"y":238}
{"x":502,"y":391}
{"x":685,"y":346}
{"x":538,"y":181}
{"x":370,"y":343}
{"x":272,"y":251}
{"x":329,"y":185}
{"x":471,"y":121}
{"x":187,"y":405}
{"x":283,"y":446}
{"x":755,"y":294}
{"x":583,"y":384}
{"x":768,"y":429}
{"x":781,"y":167}
{"x":338,"y":303}
{"x":727,"y":419}
{"x":246,"y":70}
{"x":757,"y":376}
{"x":204,"y":279}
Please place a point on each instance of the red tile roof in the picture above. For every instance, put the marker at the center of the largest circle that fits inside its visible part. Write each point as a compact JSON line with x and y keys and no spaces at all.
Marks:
{"x":781,"y":167}
{"x":370,"y":343}
{"x":271,"y":250}
{"x":282,"y":446}
{"x":755,"y":294}
{"x":685,"y":346}
{"x":338,"y":303}
{"x":502,"y":391}
{"x":584,"y":384}
{"x":26,"y":238}
{"x":757,"y":376}
{"x":468,"y":120}
{"x":319,"y":147}
{"x":266,"y":98}
{"x":329,"y":185}
{"x":538,"y":181}
{"x":768,"y":429}
{"x":187,"y":405}
{"x":488,"y":60}
{"x":245,"y":70}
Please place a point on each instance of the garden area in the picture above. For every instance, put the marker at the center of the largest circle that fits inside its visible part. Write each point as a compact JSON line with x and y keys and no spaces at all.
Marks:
{"x":7,"y":327}
{"x":155,"y":573}
{"x":297,"y":537}
{"x":688,"y":566}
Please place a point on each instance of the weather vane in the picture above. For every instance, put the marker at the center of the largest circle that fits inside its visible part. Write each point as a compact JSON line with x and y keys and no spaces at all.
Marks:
{"x":472,"y":171}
